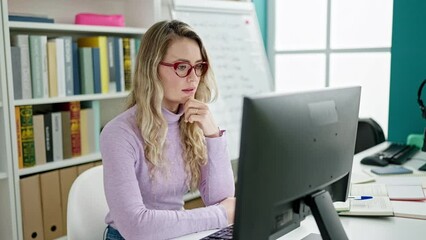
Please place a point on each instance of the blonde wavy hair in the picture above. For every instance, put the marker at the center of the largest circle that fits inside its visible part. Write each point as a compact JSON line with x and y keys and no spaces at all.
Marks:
{"x":147,"y":94}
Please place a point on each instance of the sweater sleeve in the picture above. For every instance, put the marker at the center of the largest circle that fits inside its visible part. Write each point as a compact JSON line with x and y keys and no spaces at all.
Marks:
{"x":119,"y":149}
{"x":217,"y":178}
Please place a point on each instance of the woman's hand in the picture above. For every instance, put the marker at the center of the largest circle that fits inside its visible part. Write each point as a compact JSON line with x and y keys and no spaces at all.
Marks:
{"x":229,"y":205}
{"x":199,"y":112}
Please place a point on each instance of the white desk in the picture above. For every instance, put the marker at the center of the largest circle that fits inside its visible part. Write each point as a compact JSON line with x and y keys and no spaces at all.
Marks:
{"x":388,"y":228}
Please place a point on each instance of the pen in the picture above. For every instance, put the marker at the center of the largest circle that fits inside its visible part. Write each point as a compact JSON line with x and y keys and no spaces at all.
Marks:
{"x":360,"y":197}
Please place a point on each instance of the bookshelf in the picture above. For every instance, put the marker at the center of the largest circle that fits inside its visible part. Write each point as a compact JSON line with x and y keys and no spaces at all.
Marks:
{"x":8,"y":226}
{"x":139,"y":15}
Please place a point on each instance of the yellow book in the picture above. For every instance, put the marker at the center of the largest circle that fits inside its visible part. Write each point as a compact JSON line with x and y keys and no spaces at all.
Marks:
{"x":101,"y":43}
{"x":18,"y":136}
{"x":52,"y":71}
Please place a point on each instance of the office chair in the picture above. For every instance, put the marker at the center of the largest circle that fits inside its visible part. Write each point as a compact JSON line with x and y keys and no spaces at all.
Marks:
{"x":369,"y":134}
{"x":87,"y":206}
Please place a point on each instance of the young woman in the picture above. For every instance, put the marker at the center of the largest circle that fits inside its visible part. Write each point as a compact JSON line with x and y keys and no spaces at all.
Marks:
{"x":167,"y":143}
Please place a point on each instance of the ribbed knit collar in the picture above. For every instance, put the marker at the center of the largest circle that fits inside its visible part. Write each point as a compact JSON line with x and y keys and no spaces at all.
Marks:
{"x":172,"y":117}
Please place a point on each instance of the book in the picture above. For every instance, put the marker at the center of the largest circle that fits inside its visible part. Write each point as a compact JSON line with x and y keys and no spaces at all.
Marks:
{"x":48,"y":136}
{"x":376,"y":206}
{"x":38,"y":59}
{"x":68,"y":56}
{"x":19,"y":18}
{"x":76,"y":69}
{"x":22,"y":41}
{"x":380,"y":203}
{"x":39,"y":139}
{"x":97,"y":78}
{"x":86,"y":70}
{"x":96,"y":130}
{"x":74,"y":126}
{"x":57,"y":145}
{"x":101,"y":43}
{"x":52,"y":68}
{"x":394,"y":192}
{"x":27,"y":135}
{"x":120,"y":85}
{"x":409,"y":209}
{"x":18,"y":136}
{"x":112,"y":67}
{"x":60,"y":66}
{"x":15,"y":54}
{"x":86,"y":131}
{"x":127,"y":64}
{"x":66,"y":134}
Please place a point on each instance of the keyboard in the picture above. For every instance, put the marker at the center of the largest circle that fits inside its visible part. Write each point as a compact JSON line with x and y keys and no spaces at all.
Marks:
{"x":397,"y":153}
{"x":224,"y":233}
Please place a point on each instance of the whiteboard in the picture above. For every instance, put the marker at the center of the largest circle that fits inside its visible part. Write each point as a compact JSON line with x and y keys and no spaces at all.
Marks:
{"x":231,"y":35}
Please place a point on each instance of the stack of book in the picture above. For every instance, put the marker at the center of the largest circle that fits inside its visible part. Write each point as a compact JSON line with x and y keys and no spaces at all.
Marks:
{"x":25,"y":17}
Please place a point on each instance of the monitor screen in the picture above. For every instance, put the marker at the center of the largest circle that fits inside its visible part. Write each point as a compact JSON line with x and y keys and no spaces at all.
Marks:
{"x":296,"y":156}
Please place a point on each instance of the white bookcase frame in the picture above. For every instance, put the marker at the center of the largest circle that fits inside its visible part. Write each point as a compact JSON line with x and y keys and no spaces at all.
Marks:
{"x":139,"y":15}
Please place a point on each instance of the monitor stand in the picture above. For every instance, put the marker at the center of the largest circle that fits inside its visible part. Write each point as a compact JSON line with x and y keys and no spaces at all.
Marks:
{"x":326,"y":216}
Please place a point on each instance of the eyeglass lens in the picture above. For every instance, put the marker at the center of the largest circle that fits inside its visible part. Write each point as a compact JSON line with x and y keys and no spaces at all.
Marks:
{"x":184,"y":69}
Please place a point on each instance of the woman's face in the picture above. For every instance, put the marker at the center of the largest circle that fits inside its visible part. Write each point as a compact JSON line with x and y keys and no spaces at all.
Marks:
{"x":177,"y":90}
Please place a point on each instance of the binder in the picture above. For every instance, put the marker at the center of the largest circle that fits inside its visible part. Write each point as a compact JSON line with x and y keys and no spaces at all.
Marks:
{"x":51,"y":205}
{"x":67,"y":177}
{"x":32,"y":218}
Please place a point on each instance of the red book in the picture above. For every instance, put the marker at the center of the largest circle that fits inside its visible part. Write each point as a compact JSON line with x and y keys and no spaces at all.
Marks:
{"x":74,"y":109}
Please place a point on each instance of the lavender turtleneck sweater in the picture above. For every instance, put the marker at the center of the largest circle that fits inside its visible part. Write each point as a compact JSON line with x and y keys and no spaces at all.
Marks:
{"x":141,"y":207}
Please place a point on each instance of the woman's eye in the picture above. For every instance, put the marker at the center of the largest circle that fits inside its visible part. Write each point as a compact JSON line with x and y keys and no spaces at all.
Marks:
{"x":182,"y":67}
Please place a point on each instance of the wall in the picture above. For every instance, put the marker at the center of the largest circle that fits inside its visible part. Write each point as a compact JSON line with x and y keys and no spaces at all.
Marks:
{"x":408,"y":68}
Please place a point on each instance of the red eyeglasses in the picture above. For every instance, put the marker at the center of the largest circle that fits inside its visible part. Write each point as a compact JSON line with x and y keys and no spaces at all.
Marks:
{"x":183,"y":69}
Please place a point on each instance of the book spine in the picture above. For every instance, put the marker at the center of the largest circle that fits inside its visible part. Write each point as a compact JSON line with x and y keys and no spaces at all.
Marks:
{"x":69,"y":79}
{"x":127,"y":64}
{"x":18,"y":136}
{"x":112,"y":68}
{"x":15,"y":53}
{"x":132,"y":58}
{"x":97,"y":81}
{"x":44,"y":67}
{"x":36,"y":66}
{"x":86,"y":70}
{"x":75,"y":128}
{"x":76,"y":69}
{"x":52,"y":68}
{"x":27,"y":136}
{"x":30,"y":19}
{"x":66,"y":134}
{"x":60,"y":64}
{"x":22,"y":41}
{"x":121,"y":64}
{"x":48,"y":136}
{"x":57,"y":136}
{"x":39,"y":139}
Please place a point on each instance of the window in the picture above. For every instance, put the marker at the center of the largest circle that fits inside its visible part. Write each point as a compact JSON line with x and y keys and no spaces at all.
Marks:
{"x":321,"y":43}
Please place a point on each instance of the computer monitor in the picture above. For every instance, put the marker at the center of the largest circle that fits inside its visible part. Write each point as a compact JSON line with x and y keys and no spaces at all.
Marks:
{"x":296,"y":156}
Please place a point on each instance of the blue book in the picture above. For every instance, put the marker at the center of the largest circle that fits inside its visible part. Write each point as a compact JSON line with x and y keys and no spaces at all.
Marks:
{"x":76,"y":69}
{"x":18,"y":18}
{"x":116,"y":51}
{"x":96,"y":70}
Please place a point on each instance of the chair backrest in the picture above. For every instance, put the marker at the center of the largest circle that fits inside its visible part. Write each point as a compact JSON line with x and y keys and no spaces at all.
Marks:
{"x":87,"y":206}
{"x":369,"y":134}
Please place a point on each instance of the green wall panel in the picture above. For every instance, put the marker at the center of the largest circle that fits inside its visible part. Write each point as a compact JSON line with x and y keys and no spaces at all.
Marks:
{"x":408,"y":68}
{"x":261,"y":12}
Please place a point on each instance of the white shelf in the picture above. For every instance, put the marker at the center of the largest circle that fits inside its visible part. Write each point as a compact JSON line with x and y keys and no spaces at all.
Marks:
{"x":60,"y":164}
{"x":57,"y":27}
{"x":86,"y":97}
{"x":3,"y":175}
